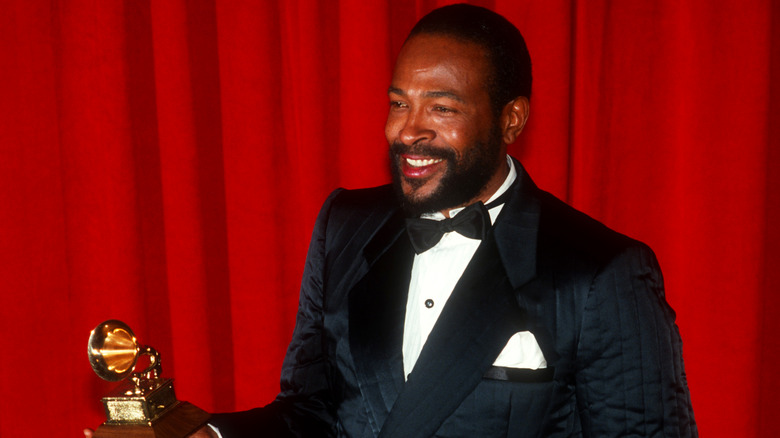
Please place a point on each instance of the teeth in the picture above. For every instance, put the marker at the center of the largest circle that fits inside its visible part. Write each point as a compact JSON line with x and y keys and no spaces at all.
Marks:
{"x":421,"y":163}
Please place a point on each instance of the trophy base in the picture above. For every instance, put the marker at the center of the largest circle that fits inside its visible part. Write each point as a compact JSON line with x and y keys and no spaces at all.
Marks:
{"x":179,"y":422}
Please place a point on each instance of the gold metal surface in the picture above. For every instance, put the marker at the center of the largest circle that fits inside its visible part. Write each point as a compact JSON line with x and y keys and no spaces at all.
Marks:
{"x":127,"y":411}
{"x":143,"y":408}
{"x":145,"y":405}
{"x":112,"y":350}
{"x":119,"y":350}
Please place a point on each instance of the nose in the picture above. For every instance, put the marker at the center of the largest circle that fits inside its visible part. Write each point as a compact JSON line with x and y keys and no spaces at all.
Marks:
{"x":415,"y":127}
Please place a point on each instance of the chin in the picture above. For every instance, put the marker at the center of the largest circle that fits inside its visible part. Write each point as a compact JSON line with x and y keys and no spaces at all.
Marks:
{"x":418,"y":189}
{"x":420,"y":192}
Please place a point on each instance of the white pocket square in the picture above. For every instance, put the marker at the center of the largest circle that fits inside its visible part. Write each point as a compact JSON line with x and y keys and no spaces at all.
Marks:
{"x":522,"y":351}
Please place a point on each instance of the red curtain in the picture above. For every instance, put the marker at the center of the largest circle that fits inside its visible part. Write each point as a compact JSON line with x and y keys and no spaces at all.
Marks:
{"x":162,"y":163}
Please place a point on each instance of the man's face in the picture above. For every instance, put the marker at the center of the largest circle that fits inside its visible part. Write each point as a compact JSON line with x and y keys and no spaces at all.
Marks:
{"x":446,"y":148}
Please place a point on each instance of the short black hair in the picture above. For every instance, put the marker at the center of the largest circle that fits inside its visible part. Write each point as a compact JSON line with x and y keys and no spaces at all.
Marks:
{"x":502,"y":41}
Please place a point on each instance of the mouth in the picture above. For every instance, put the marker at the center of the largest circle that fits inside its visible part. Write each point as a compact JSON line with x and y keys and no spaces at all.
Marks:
{"x":419,"y":167}
{"x":421,"y":162}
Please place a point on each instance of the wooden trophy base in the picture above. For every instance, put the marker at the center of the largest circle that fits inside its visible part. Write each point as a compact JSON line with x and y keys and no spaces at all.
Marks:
{"x":181,"y":421}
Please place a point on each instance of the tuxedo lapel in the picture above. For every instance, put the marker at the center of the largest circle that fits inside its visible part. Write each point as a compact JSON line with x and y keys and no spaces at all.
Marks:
{"x":377,"y":306}
{"x":517,"y":229}
{"x":477,"y":321}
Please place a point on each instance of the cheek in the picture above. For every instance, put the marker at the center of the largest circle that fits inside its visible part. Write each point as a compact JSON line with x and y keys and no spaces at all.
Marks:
{"x":458,"y":137}
{"x":392,"y":127}
{"x":468,"y":133}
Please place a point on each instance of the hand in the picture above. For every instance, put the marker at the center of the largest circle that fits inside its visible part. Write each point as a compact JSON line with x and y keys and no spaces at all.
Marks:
{"x":88,"y":433}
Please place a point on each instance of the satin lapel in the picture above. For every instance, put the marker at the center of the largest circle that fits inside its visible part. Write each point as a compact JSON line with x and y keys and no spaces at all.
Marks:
{"x":477,"y":321}
{"x":517,"y":229}
{"x":377,"y":307}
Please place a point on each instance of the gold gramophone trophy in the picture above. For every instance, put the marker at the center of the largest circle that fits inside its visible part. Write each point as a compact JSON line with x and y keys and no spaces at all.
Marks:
{"x":145,"y":406}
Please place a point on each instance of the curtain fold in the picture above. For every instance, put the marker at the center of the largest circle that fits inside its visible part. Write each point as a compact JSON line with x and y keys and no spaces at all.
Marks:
{"x":162,"y":163}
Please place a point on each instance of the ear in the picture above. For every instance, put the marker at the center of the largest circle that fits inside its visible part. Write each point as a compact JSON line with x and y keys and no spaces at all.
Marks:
{"x":513,"y":118}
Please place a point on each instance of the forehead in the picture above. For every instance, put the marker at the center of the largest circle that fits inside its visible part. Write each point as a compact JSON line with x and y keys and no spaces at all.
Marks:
{"x":442,"y":58}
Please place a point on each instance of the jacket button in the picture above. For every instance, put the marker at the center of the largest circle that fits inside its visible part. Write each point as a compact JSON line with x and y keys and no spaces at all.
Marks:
{"x":429,"y":303}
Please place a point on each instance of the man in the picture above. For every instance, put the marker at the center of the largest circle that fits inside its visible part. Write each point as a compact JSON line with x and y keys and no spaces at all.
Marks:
{"x":533,"y":321}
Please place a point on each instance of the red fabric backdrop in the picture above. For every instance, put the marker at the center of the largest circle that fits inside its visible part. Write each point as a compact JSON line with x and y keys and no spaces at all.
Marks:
{"x":162,"y":162}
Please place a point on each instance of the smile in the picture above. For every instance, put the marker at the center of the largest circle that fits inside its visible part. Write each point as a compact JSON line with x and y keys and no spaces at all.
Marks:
{"x":422,"y":162}
{"x":420,"y":167}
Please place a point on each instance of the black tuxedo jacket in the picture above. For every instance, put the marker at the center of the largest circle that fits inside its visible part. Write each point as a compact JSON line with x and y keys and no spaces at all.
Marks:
{"x":593,"y":299}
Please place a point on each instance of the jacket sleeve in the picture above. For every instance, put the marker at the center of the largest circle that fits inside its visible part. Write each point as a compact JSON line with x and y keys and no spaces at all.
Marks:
{"x":304,"y":406}
{"x":630,"y":377}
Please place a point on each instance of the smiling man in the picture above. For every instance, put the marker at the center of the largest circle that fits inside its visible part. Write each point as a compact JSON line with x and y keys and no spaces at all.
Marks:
{"x":462,"y":300}
{"x":447,"y":138}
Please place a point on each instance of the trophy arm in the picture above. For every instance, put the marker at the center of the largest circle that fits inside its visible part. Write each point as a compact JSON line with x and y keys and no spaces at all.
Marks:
{"x":149,"y":375}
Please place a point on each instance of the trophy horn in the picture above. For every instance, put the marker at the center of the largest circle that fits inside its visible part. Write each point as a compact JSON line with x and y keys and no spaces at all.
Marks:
{"x":114,"y":351}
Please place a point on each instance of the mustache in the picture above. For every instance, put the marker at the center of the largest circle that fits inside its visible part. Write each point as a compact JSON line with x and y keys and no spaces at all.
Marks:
{"x":397,"y":148}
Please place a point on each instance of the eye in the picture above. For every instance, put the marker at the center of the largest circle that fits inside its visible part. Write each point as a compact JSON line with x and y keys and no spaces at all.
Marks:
{"x":397,"y":104}
{"x":444,"y":109}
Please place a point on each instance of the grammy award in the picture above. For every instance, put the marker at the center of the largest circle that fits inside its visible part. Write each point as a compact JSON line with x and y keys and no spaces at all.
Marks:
{"x":145,"y":405}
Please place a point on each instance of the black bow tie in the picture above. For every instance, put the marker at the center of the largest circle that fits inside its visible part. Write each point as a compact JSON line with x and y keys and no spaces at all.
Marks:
{"x":473,"y":222}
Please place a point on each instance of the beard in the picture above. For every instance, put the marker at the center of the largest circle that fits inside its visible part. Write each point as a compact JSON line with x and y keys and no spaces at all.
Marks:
{"x":462,"y":181}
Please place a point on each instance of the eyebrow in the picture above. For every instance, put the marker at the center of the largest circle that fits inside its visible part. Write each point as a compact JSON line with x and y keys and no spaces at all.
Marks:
{"x":434,"y":94}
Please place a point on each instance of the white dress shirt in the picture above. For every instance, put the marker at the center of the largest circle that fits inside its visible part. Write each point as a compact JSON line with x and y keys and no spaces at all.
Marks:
{"x":434,"y":275}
